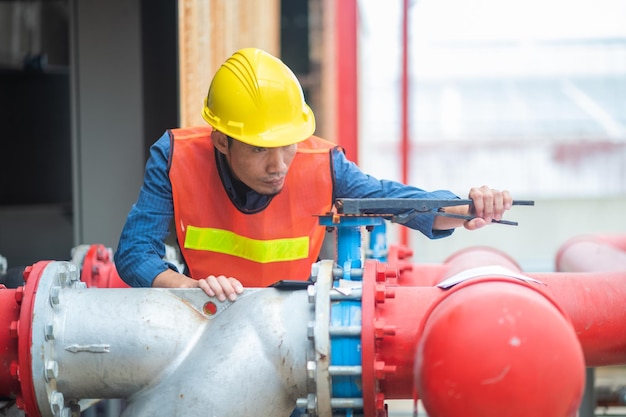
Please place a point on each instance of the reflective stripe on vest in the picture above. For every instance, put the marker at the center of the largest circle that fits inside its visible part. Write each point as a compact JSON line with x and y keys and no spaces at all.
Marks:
{"x":262,"y":251}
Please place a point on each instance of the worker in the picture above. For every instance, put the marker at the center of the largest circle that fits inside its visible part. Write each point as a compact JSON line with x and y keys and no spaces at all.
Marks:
{"x":243,"y":191}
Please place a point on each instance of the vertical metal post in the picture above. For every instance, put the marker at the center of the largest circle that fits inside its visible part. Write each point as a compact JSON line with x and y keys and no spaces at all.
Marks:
{"x":588,"y":405}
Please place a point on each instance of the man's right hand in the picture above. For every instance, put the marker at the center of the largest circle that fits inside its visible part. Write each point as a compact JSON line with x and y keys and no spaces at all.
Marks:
{"x":220,"y":287}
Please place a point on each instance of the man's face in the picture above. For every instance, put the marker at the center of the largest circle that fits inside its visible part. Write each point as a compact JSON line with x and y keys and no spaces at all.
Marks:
{"x":262,"y":169}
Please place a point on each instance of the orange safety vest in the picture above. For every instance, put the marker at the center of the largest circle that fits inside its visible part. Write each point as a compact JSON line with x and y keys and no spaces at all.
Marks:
{"x":278,"y":243}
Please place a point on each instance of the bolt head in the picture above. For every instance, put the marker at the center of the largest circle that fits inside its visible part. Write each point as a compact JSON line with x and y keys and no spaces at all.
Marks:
{"x":52,"y":371}
{"x":54,"y":295}
{"x":19,"y":295}
{"x":49,"y":331}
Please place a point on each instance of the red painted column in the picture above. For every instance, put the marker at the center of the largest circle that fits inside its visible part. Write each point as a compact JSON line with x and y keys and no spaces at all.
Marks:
{"x":347,"y":77}
{"x":405,"y":139}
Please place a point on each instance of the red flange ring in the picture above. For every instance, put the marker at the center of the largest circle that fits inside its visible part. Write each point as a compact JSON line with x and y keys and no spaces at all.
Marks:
{"x":368,"y":340}
{"x":32,"y":275}
{"x":10,"y":300}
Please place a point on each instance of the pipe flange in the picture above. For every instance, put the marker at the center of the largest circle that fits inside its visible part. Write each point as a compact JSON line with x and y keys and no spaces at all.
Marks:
{"x":321,"y":339}
{"x":320,"y":401}
{"x":46,"y":324}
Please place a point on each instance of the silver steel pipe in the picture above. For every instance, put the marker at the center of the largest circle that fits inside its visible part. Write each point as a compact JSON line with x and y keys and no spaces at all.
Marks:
{"x":173,"y":352}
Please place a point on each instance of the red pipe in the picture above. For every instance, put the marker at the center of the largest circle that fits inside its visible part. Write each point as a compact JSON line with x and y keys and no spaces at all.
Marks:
{"x":398,"y":258}
{"x":390,"y":317}
{"x":399,"y":309}
{"x":594,"y":302}
{"x":420,"y":341}
{"x":432,"y":274}
{"x":10,"y":301}
{"x":617,"y":240}
{"x":16,"y":315}
{"x":596,"y":305}
{"x":392,"y":331}
{"x":478,"y":256}
{"x":594,"y":253}
{"x":98,"y":269}
{"x":579,"y":316}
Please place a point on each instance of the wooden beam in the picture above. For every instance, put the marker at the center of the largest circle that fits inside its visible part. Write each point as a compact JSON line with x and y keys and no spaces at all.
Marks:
{"x":209,"y":32}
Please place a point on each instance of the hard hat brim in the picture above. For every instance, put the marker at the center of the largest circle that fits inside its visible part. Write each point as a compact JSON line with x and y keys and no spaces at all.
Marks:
{"x":273,"y":138}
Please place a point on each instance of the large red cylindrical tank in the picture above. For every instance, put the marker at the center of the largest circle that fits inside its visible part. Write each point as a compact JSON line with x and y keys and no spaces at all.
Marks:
{"x":498,"y":346}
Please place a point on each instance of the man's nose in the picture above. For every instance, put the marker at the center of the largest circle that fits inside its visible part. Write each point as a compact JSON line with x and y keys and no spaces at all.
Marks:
{"x":277,"y":161}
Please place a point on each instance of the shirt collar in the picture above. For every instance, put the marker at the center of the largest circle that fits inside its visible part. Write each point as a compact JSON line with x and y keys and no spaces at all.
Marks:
{"x":243,"y":197}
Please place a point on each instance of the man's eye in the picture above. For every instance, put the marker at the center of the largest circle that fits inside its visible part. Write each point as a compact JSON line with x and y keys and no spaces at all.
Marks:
{"x":257,"y":149}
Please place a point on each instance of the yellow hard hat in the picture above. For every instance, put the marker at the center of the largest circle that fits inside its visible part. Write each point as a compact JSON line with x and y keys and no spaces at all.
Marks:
{"x":255,"y":98}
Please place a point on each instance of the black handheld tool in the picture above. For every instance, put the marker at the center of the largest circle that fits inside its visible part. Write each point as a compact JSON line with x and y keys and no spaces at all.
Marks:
{"x":408,"y":208}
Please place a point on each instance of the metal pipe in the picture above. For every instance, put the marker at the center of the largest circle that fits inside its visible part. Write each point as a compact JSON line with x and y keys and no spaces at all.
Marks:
{"x":177,"y":352}
{"x":255,"y":349}
{"x":167,"y":351}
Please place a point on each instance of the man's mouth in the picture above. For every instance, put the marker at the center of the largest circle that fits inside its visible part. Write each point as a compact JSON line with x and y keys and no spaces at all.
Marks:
{"x":275,"y":181}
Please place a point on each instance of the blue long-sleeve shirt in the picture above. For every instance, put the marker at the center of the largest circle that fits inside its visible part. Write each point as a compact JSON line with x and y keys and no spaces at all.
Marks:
{"x":141,"y":248}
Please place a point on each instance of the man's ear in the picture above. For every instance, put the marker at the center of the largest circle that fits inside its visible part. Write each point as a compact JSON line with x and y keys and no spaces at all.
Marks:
{"x":220,"y":141}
